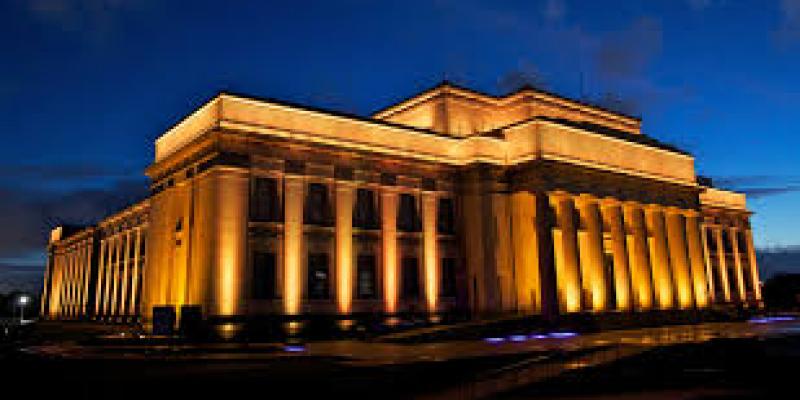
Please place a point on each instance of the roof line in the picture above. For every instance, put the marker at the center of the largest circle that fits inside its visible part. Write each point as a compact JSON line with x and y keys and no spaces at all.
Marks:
{"x":524,"y":88}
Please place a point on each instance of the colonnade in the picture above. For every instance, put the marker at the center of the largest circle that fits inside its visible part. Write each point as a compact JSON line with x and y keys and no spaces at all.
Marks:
{"x":624,"y":255}
{"x":67,"y":280}
{"x":344,"y":192}
{"x":723,"y":258}
{"x":119,"y":272}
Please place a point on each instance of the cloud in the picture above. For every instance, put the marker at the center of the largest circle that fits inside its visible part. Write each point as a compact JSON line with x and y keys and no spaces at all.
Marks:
{"x":629,"y":52}
{"x":759,"y":186}
{"x":94,"y":19}
{"x":45,"y":196}
{"x":788,"y":30}
{"x":526,"y":74}
{"x":777,"y":260}
{"x":554,"y":10}
{"x":700,"y":5}
{"x":15,"y":278}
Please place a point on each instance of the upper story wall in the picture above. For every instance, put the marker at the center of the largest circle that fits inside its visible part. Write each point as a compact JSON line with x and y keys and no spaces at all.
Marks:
{"x":461,"y":112}
{"x":582,"y":143}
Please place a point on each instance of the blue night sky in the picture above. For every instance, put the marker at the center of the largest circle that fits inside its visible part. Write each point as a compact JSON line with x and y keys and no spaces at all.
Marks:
{"x":86,"y":86}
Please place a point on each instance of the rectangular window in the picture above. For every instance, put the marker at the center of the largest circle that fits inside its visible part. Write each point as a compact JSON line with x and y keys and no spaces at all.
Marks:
{"x":364,"y":214}
{"x":410,"y":278}
{"x":408,"y":217}
{"x":365,"y":287}
{"x":318,"y":277}
{"x":318,"y":206}
{"x":265,"y":204}
{"x":445,"y":220}
{"x":448,"y":277}
{"x":264,"y":275}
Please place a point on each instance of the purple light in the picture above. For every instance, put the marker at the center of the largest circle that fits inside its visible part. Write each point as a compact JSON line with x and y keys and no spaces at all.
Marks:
{"x":562,"y":335}
{"x":294,"y":349}
{"x":518,"y":338}
{"x":538,"y":336}
{"x":766,"y":320}
{"x":494,"y":340}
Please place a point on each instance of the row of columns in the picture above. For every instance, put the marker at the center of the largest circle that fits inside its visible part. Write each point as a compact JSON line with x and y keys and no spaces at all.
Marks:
{"x":344,"y":260}
{"x":655,"y":253}
{"x":719,"y":260}
{"x":119,"y":272}
{"x":67,"y":281}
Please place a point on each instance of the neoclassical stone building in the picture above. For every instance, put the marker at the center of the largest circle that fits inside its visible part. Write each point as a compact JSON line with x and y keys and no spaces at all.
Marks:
{"x":451,"y":200}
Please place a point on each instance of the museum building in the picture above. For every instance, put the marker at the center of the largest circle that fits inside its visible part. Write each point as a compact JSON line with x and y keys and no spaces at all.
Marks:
{"x":452,"y":201}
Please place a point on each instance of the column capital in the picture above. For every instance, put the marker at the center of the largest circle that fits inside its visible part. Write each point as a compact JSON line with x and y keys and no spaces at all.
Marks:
{"x":585,"y":198}
{"x":609,"y":201}
{"x":653,"y":207}
{"x":672,"y":210}
{"x":689,"y":213}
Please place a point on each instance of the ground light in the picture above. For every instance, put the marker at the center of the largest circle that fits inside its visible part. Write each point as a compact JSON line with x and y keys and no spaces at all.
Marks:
{"x":22,"y":302}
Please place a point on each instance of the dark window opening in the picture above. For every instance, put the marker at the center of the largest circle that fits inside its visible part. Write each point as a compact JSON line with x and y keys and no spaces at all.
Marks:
{"x":732,"y":278}
{"x":448,"y":277}
{"x":264,"y":274}
{"x":726,"y":242}
{"x":408,"y":219}
{"x":365,"y":215}
{"x":318,"y":206}
{"x":611,"y":288}
{"x":410,"y":278}
{"x":742,"y":243}
{"x":318,"y":277}
{"x":445,"y":219}
{"x":711,"y":242}
{"x":365,"y":283}
{"x":265,"y":203}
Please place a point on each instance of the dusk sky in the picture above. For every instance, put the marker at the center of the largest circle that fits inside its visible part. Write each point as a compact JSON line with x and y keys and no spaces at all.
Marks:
{"x":86,"y":86}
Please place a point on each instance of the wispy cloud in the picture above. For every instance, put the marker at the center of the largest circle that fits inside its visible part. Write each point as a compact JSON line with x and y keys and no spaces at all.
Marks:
{"x":759,"y":186}
{"x":93,"y":19}
{"x":788,"y":31}
{"x":34,"y":198}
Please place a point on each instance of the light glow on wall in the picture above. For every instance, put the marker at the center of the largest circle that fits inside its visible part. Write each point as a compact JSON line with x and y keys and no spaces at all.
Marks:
{"x":293,"y":237}
{"x":389,"y":225}
{"x":344,"y":246}
{"x":430,"y":250}
{"x":232,"y":186}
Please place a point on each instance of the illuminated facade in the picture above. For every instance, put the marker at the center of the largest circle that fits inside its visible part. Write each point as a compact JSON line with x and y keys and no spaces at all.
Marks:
{"x":452,"y":200}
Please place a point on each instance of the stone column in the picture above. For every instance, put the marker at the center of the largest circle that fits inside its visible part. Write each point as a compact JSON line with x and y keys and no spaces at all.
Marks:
{"x":98,"y":296}
{"x":293,"y":244}
{"x":568,"y":279}
{"x":751,"y":255}
{"x":430,"y":245}
{"x":659,"y":257}
{"x":344,"y":245}
{"x":704,"y":236}
{"x":389,"y":242}
{"x":590,"y":240}
{"x":135,"y":271}
{"x":109,"y":277}
{"x":45,"y":299}
{"x":87,"y":276}
{"x":726,"y":286}
{"x":115,"y":275}
{"x":697,"y":263}
{"x":612,"y":218}
{"x":524,"y":242}
{"x":679,"y":259}
{"x":638,"y":255}
{"x":733,"y":234}
{"x":123,"y":298}
{"x":232,"y":195}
